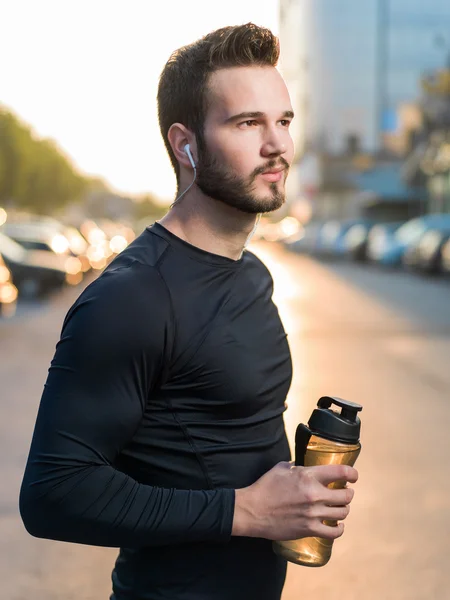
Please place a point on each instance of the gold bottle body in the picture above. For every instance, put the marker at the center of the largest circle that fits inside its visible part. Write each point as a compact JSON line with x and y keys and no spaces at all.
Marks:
{"x":315,"y":551}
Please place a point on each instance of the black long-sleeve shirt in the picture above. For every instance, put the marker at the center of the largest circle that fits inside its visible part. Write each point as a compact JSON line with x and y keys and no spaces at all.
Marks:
{"x":165,"y":394}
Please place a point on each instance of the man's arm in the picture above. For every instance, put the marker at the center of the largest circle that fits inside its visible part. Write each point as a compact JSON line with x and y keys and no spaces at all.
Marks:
{"x":110,"y":354}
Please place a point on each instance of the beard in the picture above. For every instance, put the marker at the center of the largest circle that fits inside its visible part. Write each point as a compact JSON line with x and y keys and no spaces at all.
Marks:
{"x":220,"y":183}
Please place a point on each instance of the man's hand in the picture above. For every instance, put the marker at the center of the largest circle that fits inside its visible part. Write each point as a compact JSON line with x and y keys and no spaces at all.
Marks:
{"x":290,"y":502}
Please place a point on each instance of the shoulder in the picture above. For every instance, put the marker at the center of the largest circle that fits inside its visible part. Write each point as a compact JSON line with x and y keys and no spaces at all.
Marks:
{"x":147,"y":249}
{"x":127,"y":302}
{"x":255,"y":262}
{"x":132,"y":285}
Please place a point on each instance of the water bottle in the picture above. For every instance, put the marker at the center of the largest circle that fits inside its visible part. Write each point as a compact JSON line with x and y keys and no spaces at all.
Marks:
{"x":332,"y":438}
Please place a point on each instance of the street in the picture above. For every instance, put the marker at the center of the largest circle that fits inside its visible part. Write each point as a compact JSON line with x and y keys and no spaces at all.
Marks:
{"x":381,"y":339}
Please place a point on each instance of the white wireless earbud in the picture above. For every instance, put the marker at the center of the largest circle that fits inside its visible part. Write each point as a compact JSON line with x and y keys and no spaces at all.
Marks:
{"x":187,"y":149}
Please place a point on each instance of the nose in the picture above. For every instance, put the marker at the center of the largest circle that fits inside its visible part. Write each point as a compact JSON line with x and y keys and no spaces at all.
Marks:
{"x":274,"y":142}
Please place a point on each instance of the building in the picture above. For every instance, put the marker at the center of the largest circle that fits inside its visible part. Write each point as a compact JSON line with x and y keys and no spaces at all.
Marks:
{"x":354,"y":68}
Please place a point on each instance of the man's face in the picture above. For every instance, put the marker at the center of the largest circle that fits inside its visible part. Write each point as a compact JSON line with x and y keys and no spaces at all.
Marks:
{"x":246,"y":150}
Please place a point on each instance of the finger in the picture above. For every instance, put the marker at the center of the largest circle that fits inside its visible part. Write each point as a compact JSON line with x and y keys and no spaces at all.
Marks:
{"x":327,"y":532}
{"x":333,"y":513}
{"x":339,"y":497}
{"x":327,"y":474}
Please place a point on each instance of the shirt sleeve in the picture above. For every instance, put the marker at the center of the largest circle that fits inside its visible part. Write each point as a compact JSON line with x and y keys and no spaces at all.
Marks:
{"x":110,"y":356}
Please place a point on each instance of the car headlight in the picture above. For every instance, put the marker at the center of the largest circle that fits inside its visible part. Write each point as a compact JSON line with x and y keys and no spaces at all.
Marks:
{"x":72,"y":265}
{"x":59,"y":244}
{"x":118,"y":243}
{"x":96,"y":236}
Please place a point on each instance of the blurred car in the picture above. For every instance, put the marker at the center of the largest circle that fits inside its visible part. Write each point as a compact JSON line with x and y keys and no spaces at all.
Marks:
{"x":387,"y":247}
{"x":378,"y":238}
{"x":331,"y":237}
{"x":37,"y":236}
{"x":356,"y":240}
{"x":426,"y":255}
{"x":50,"y":236}
{"x":36,"y":272}
{"x":8,"y":291}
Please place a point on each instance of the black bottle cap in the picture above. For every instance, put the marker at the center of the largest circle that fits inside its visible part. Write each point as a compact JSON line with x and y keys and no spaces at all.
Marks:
{"x":341,"y":426}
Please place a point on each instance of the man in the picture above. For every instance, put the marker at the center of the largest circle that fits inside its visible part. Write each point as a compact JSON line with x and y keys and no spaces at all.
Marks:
{"x":160,"y":429}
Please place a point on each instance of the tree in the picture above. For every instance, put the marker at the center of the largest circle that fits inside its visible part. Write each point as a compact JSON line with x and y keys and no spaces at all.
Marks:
{"x":34,"y":173}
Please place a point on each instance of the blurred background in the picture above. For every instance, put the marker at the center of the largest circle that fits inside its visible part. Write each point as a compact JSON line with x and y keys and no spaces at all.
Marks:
{"x":359,"y":253}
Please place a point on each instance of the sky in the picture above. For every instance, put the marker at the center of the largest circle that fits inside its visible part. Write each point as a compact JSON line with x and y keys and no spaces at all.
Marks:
{"x":85,"y":73}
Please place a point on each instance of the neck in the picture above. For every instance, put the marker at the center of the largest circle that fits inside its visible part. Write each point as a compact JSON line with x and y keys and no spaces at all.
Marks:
{"x":210,"y":225}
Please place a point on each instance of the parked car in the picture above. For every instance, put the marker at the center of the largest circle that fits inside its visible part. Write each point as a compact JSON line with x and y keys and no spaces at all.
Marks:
{"x":356,"y":239}
{"x":37,"y":236}
{"x":331,"y":237}
{"x":388,"y":247}
{"x":426,"y":255}
{"x":36,"y":272}
{"x":8,"y":291}
{"x":51,"y":236}
{"x":378,"y":238}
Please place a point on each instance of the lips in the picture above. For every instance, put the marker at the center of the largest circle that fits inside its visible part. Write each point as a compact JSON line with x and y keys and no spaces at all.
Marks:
{"x":273,"y":170}
{"x":272,"y":175}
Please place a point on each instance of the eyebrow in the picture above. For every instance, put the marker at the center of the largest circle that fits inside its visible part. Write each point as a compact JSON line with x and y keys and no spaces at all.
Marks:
{"x":288,"y":114}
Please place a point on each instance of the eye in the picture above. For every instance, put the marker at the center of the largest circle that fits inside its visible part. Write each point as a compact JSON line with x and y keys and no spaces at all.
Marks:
{"x":249,"y":123}
{"x":285,"y":122}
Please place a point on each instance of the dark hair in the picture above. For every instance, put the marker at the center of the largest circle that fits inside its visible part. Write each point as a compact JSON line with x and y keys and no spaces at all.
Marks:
{"x":183,"y":85}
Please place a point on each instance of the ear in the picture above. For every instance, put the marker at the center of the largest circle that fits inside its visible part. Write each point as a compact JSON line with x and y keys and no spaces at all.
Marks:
{"x":178,"y":136}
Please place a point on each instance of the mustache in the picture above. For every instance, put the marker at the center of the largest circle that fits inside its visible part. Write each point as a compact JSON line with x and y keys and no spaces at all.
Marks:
{"x":273,"y":164}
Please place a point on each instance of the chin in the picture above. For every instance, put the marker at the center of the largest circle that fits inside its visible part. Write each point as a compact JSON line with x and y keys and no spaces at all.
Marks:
{"x":271,"y":204}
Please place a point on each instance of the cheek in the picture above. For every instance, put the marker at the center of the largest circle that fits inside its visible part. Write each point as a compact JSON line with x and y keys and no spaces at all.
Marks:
{"x":234,"y":150}
{"x":234,"y":155}
{"x":290,"y":149}
{"x":241,"y":161}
